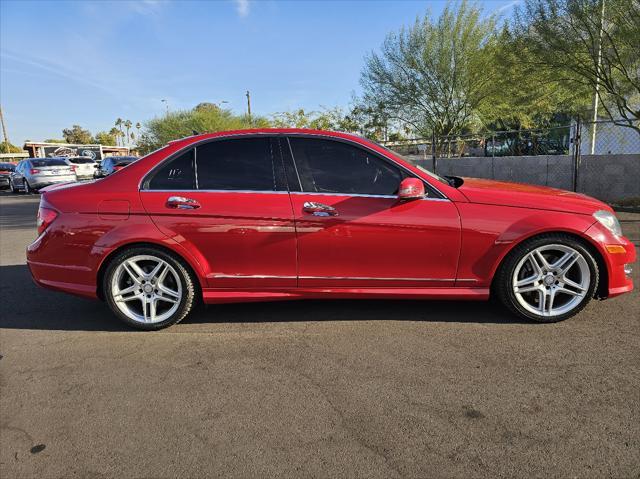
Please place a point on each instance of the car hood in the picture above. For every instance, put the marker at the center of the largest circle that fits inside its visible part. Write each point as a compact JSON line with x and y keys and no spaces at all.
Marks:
{"x":522,"y":195}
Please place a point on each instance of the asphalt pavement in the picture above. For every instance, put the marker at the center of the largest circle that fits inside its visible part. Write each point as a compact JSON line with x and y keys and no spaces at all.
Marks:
{"x":311,"y":389}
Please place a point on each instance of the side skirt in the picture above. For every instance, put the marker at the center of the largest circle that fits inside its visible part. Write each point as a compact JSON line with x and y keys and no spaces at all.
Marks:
{"x":219,"y":296}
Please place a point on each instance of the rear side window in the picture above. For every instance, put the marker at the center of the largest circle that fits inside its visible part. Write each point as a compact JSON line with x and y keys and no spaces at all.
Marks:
{"x":329,"y":166}
{"x":176,"y":174}
{"x":243,"y":164}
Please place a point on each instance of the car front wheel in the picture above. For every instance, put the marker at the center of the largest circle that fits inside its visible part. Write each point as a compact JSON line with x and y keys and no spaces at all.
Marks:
{"x":548,"y":278}
{"x":148,"y":288}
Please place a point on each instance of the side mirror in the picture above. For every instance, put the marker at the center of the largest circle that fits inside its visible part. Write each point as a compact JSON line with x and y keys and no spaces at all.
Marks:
{"x":411,"y":189}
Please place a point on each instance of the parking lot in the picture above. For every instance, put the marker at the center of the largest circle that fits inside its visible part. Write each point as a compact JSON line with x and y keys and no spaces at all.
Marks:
{"x":311,"y":389}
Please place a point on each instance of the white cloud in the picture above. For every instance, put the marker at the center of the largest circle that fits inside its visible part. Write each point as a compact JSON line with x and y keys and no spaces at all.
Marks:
{"x":242,"y":6}
{"x":508,"y":6}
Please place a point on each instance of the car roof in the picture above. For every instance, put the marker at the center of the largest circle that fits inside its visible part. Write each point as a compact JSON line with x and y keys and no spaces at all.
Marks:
{"x":273,"y":131}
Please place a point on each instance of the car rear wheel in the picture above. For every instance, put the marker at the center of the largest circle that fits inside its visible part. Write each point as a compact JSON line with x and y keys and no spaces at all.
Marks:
{"x":548,"y":278}
{"x":148,"y":288}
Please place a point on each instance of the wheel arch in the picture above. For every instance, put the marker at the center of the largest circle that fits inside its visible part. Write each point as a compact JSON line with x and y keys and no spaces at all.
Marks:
{"x":146,"y":244}
{"x":601,"y":290}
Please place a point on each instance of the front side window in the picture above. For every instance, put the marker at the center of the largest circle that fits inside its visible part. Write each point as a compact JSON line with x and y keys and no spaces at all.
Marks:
{"x":329,"y":166}
{"x":243,"y":164}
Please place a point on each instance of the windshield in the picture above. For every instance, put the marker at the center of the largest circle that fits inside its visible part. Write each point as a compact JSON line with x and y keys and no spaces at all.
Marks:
{"x":48,"y":163}
{"x":7,"y":167}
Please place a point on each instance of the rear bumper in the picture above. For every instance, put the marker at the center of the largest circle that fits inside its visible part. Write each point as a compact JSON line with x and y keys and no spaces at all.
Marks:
{"x":42,"y":181}
{"x":53,"y":276}
{"x":77,"y":279}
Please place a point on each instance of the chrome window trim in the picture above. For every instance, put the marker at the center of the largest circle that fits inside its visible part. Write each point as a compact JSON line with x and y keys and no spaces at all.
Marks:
{"x":284,"y":135}
{"x":359,"y":195}
{"x":365,"y":147}
{"x":194,"y":145}
{"x":282,"y":192}
{"x":267,"y":192}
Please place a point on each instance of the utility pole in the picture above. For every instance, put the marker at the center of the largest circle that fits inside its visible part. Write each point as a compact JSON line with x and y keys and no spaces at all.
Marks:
{"x":4,"y":128}
{"x":166,"y":104}
{"x":595,"y":94}
{"x":249,"y":106}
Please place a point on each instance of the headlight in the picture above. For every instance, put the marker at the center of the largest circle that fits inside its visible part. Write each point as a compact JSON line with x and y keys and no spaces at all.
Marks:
{"x":609,"y":221}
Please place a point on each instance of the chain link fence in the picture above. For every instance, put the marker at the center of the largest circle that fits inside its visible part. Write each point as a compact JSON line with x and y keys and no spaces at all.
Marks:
{"x":600,"y":158}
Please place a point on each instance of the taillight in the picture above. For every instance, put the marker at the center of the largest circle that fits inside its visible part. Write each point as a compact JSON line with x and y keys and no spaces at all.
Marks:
{"x":34,"y":171}
{"x":45,"y":218}
{"x":74,"y":167}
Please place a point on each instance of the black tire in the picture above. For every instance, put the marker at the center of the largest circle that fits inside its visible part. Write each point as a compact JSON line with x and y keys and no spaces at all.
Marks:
{"x":14,"y":190}
{"x":189,"y":287}
{"x":27,"y":188}
{"x":502,"y":284}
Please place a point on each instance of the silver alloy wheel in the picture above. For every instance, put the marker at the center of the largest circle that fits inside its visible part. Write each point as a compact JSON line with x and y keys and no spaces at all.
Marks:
{"x":551,"y":280}
{"x":147,"y":289}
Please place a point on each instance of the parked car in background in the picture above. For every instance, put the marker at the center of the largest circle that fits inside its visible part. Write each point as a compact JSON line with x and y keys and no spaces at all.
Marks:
{"x":263,"y":215}
{"x":34,"y":173}
{"x":111,"y":164}
{"x":84,"y":166}
{"x":5,"y":171}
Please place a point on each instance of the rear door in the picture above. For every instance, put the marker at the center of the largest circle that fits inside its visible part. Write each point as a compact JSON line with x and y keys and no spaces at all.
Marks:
{"x":226,"y":200}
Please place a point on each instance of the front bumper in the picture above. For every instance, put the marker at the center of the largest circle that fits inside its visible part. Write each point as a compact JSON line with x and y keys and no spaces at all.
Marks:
{"x":617,"y":252}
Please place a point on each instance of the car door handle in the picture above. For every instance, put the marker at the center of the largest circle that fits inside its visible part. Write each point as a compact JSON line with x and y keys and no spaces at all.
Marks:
{"x":318,"y":209}
{"x":182,"y":203}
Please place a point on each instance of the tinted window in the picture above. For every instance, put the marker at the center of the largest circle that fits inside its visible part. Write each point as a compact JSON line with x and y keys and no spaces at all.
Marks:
{"x":81,"y":161}
{"x":328,"y":166}
{"x":123,"y":162}
{"x":6,"y":167}
{"x":36,"y":163}
{"x":176,"y":174}
{"x":238,"y":164}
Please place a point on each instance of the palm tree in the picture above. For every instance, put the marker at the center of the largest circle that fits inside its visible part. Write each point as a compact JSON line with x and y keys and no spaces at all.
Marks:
{"x":138,"y":127}
{"x":116,"y":134}
{"x":128,"y":125}
{"x":119,"y":124}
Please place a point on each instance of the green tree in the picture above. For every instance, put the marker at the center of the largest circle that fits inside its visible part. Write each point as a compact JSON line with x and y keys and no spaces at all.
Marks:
{"x":107,"y":137}
{"x":204,"y":118}
{"x":119,"y":123}
{"x":522,"y":95}
{"x":78,"y":135}
{"x":435,"y":74}
{"x":127,"y":124}
{"x":327,"y":119}
{"x":6,"y":147}
{"x":54,"y":140}
{"x":587,"y":44}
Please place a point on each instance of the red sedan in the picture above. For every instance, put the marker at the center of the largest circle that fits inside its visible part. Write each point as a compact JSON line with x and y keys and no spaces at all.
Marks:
{"x":261,"y":215}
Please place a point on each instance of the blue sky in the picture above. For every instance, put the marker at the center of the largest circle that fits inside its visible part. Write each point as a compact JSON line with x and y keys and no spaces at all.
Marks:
{"x":87,"y":63}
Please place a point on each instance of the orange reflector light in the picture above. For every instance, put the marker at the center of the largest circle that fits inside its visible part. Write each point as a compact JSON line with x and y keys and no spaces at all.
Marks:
{"x":615,"y":248}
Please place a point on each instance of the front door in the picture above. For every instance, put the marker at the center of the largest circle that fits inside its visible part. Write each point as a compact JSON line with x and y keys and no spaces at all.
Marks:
{"x":227,"y":201}
{"x":352,"y":230}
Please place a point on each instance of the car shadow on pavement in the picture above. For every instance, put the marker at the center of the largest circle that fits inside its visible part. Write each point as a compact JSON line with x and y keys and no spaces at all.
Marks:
{"x":27,"y":306}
